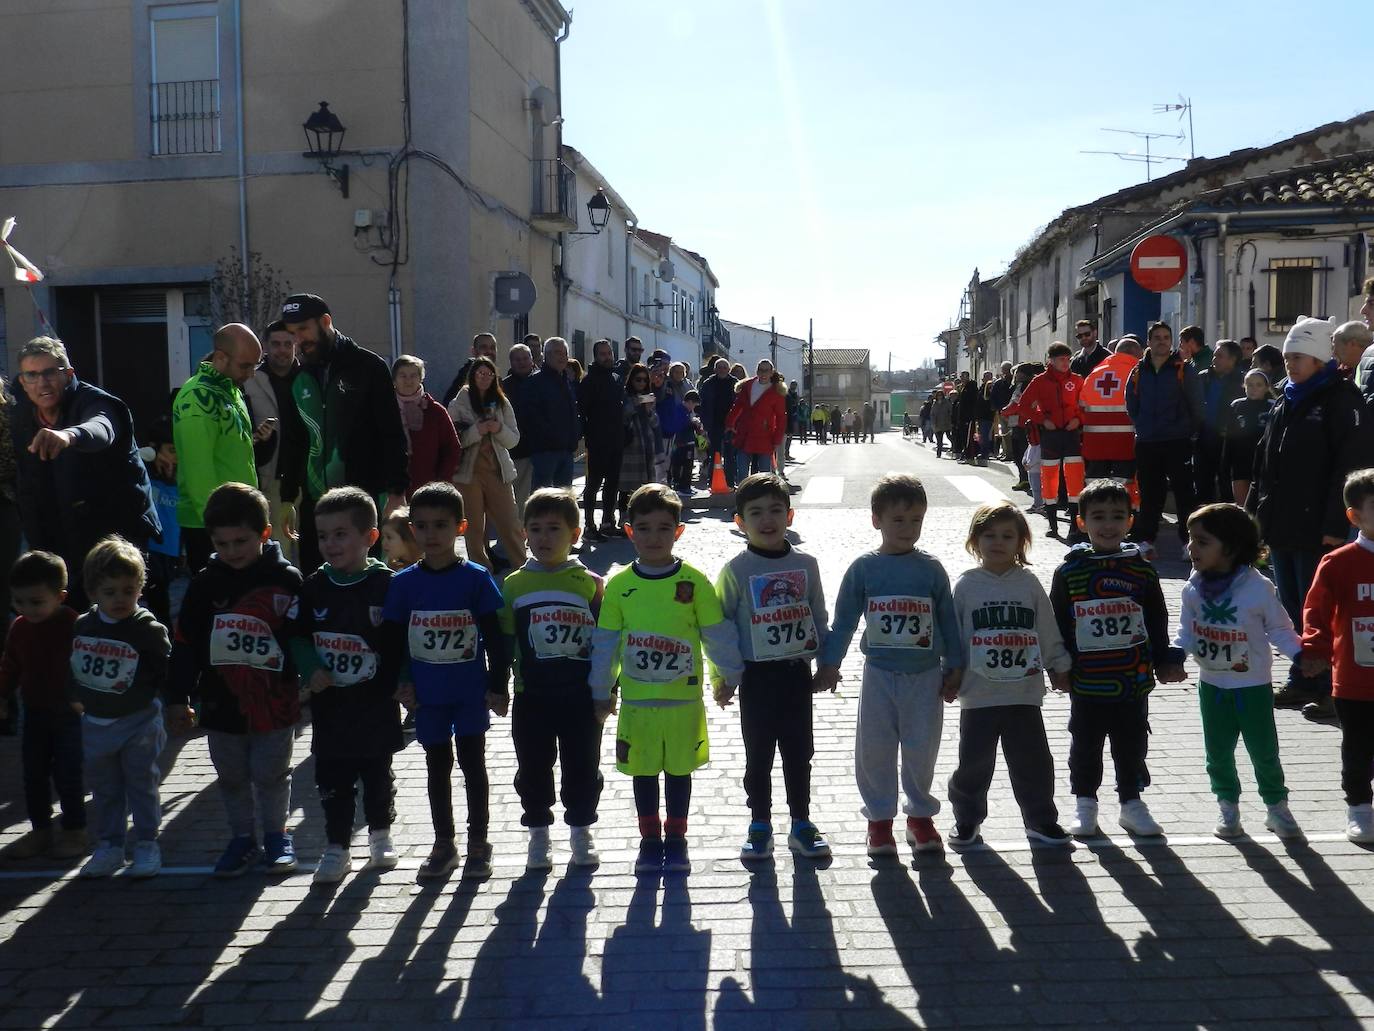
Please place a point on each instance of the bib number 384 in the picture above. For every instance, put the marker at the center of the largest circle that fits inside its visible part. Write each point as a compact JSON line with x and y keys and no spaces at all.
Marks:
{"x":656,"y":659}
{"x":1005,"y":654}
{"x":237,"y":640}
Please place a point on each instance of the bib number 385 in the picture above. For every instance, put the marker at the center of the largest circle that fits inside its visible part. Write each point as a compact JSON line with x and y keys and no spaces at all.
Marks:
{"x":237,"y":640}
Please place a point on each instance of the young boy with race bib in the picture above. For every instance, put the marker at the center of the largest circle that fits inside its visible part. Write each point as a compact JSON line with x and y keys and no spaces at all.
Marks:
{"x":348,"y":663}
{"x":1012,"y":638}
{"x":1231,"y":620}
{"x":233,"y":639}
{"x":549,"y":615}
{"x":1114,"y":623}
{"x":446,"y":608}
{"x":118,"y":672}
{"x":910,"y":633}
{"x":773,"y":594}
{"x":655,"y":618}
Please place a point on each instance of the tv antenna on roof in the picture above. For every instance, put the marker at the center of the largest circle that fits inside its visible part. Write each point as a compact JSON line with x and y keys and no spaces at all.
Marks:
{"x":1183,"y":107}
{"x":1148,"y":158}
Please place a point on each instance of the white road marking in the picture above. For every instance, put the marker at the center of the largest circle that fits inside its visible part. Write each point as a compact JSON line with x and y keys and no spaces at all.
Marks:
{"x":822,"y":490}
{"x":975,"y":488}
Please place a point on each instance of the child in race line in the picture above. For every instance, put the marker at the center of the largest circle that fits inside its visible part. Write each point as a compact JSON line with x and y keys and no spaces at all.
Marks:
{"x":118,"y":670}
{"x":398,"y":541}
{"x":1012,"y":637}
{"x":233,"y":641}
{"x":655,"y":618}
{"x":446,"y":608}
{"x":34,"y":666}
{"x":1338,"y":633}
{"x":1231,"y":619}
{"x":1115,"y":626}
{"x":773,"y":594}
{"x":549,"y":613}
{"x":910,"y":633}
{"x":348,"y":664}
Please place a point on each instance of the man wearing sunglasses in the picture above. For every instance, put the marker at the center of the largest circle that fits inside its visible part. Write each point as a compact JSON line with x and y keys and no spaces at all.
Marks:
{"x":634,"y":354}
{"x":1091,"y":352}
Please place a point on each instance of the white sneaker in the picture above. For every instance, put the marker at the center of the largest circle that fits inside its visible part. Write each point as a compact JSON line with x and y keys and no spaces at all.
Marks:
{"x":1360,"y":828}
{"x":1136,"y":819}
{"x":1280,"y":821}
{"x":147,"y":860}
{"x":335,"y":864}
{"x":381,"y":852}
{"x":540,"y":856}
{"x":105,"y":860}
{"x":1228,"y":820}
{"x":1147,"y":550}
{"x":583,"y":848}
{"x":1085,"y":822}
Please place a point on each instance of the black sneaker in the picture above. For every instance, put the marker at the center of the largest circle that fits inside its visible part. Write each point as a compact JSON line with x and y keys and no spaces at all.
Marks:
{"x":477,"y":866}
{"x":591,"y":533}
{"x":1049,"y":833}
{"x":1290,"y":697}
{"x":443,"y":857}
{"x":650,"y":858}
{"x":963,"y":835}
{"x":675,"y":859}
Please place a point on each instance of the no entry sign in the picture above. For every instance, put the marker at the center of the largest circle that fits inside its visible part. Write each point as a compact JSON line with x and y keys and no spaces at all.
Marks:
{"x":1159,"y":263}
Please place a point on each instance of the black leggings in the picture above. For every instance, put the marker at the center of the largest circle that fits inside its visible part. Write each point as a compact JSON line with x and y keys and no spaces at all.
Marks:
{"x":678,"y":793}
{"x":472,"y":760}
{"x":1357,"y":748}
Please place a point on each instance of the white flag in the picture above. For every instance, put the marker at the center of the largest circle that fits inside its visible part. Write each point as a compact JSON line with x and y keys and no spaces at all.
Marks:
{"x":24,"y":270}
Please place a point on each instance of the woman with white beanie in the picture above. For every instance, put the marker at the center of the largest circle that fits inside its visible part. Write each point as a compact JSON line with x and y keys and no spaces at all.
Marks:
{"x":1313,"y":439}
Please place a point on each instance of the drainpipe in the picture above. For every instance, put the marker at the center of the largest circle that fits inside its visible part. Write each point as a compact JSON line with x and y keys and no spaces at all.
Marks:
{"x":243,"y":176}
{"x":1223,"y":314}
{"x":630,"y":229}
{"x":560,"y":282}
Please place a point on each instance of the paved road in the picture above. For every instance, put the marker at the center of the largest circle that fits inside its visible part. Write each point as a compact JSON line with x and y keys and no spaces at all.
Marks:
{"x":1189,"y":932}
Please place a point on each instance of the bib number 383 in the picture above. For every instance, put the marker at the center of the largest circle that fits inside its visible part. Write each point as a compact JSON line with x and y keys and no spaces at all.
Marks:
{"x":656,"y":659}
{"x":237,"y":640}
{"x":1005,"y":654}
{"x":101,"y":664}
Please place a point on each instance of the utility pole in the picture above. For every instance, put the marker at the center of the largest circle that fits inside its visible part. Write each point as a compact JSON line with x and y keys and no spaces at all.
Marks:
{"x":773,"y":344}
{"x":810,"y":361}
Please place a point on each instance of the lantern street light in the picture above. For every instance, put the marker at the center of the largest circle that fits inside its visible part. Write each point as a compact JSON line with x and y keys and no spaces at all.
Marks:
{"x":324,"y":135}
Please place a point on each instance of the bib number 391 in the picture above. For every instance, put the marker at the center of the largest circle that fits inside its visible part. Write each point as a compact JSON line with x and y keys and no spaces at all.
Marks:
{"x":1221,"y":650}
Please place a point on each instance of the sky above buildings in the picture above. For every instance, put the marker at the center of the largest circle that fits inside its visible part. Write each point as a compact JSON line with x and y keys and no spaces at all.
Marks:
{"x":853,"y":163}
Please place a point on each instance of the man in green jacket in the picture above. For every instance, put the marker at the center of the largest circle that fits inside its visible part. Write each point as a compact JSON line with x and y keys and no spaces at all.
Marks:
{"x":213,"y":433}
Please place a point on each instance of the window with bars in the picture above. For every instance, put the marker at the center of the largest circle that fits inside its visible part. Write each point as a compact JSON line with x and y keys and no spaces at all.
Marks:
{"x":1292,"y":290}
{"x":184,"y":105}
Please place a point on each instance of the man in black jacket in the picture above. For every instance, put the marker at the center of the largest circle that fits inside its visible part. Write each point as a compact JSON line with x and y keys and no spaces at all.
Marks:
{"x":554,"y":432}
{"x":999,"y":396}
{"x":1091,"y":352}
{"x":717,"y":398}
{"x":1221,"y":383}
{"x":600,"y":396}
{"x":965,"y":416}
{"x":79,"y":477}
{"x":483,"y":346}
{"x":348,"y":405}
{"x":513,"y":385}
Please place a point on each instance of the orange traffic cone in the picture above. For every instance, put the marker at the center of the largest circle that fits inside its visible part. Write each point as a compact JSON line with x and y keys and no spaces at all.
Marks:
{"x":718,"y":477}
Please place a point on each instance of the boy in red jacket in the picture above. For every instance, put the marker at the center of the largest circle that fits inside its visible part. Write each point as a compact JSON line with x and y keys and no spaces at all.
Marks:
{"x":1050,"y":401}
{"x":1338,"y":617}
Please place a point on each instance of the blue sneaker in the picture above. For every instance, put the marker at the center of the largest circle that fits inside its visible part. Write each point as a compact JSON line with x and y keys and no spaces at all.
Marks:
{"x":241,"y":854}
{"x":807,"y":841}
{"x":278,"y":853}
{"x":758,"y":843}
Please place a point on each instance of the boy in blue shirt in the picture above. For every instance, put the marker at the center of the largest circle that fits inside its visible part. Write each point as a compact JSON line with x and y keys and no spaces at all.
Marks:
{"x":446,"y":609}
{"x":910,"y":632}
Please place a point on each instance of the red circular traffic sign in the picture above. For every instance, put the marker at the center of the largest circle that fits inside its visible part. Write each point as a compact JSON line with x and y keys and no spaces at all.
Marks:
{"x":1159,"y":263}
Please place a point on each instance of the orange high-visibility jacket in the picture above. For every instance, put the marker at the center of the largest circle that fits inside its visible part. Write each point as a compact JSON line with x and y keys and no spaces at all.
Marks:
{"x":1108,"y":434}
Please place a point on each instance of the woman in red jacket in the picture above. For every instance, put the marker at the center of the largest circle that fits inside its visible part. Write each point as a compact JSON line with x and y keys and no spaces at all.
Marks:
{"x":758,"y":419}
{"x":434,"y":448}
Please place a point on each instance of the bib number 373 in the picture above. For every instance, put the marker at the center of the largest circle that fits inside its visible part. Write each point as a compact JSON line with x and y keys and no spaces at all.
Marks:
{"x":898,"y":621}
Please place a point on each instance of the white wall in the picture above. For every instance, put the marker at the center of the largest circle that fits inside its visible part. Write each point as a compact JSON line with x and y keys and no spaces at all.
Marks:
{"x":748,"y":345}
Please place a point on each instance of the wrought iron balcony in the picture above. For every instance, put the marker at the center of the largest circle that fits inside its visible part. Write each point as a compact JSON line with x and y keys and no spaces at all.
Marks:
{"x":555,"y":196}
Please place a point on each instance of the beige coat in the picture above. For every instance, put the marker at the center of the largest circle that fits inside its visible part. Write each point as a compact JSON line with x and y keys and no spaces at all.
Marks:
{"x":465,"y":420}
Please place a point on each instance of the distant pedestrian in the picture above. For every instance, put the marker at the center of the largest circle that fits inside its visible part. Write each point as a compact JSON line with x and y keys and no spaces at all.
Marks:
{"x":1248,"y":417}
{"x":434,"y":448}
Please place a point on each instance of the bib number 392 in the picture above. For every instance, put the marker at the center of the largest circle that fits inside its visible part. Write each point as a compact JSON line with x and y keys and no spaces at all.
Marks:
{"x":655,"y":659}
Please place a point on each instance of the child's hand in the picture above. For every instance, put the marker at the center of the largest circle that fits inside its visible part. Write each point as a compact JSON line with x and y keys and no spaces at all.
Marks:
{"x":498,"y":702}
{"x":78,"y":708}
{"x":1312,"y":665}
{"x":1059,"y":681}
{"x":827,"y":679}
{"x":722,"y":694}
{"x":405,"y":694}
{"x":602,"y":709}
{"x":319,"y":681}
{"x":949,"y":684}
{"x":1171,"y":673}
{"x":180,"y":718}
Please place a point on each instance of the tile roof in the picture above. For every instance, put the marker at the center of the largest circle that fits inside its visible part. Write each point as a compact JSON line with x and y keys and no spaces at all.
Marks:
{"x":841,"y":356}
{"x":1348,"y":179}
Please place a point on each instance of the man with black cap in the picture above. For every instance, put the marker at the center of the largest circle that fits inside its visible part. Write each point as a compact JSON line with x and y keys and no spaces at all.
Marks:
{"x":483,"y":346}
{"x":554,"y":434}
{"x":348,"y":405}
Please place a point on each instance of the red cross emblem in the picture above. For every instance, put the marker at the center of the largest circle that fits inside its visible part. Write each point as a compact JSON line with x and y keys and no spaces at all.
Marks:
{"x":1107,"y":383}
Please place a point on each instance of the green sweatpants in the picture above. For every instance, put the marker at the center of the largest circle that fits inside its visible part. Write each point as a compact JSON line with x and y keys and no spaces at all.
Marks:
{"x":1232,"y":712}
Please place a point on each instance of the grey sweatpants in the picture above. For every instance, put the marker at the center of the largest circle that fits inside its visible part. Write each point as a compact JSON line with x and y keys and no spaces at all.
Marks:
{"x":898,"y":712}
{"x":120,"y":761}
{"x":253,"y":766}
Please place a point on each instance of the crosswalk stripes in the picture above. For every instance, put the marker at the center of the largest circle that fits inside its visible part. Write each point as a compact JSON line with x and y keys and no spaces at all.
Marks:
{"x":975,"y":488}
{"x":822,"y":490}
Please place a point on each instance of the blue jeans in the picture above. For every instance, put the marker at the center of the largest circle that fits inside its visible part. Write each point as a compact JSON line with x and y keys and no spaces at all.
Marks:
{"x":747,"y":464}
{"x":120,"y":760}
{"x":551,"y":469}
{"x":985,"y":435}
{"x":1293,"y":573}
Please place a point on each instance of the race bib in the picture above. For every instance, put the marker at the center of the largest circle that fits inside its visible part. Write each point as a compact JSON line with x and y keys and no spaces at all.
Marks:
{"x":347,"y":657}
{"x":899,"y":621}
{"x":1221,"y":649}
{"x":1005,"y":654}
{"x":1107,"y":624}
{"x":562,"y":632}
{"x":100,"y":664}
{"x":443,"y":637}
{"x":655,"y":659}
{"x":1362,"y":636}
{"x":784,"y":632}
{"x":237,"y":640}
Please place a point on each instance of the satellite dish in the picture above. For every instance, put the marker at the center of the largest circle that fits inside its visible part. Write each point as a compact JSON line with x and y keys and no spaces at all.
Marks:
{"x":666,"y":270}
{"x":542,"y":99}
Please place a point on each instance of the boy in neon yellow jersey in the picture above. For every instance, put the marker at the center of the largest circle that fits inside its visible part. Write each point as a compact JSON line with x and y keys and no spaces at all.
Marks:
{"x":655,"y":618}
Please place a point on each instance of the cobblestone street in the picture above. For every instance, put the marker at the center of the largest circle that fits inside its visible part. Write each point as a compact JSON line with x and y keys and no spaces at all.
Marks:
{"x":1185,"y":932}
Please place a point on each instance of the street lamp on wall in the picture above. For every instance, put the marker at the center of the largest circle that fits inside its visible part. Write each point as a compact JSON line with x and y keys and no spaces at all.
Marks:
{"x":324,"y":135}
{"x":598,"y":212}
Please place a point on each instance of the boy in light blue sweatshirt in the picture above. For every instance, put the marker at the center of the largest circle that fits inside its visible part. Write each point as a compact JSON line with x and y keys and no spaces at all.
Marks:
{"x":912,"y":651}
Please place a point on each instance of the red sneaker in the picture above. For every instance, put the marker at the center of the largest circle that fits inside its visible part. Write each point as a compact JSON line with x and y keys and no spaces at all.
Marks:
{"x":880,"y":839}
{"x":922,"y":835}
